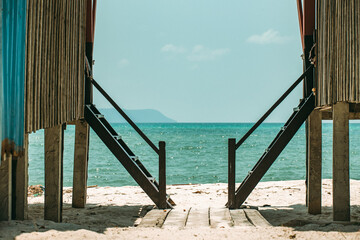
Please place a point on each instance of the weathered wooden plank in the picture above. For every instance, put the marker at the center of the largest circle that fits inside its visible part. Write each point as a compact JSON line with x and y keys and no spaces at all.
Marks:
{"x":46,"y":62}
{"x":36,"y":70}
{"x":256,"y":218}
{"x":341,"y":182}
{"x":81,"y":152}
{"x":198,"y":217}
{"x":53,"y":173}
{"x":154,"y":218}
{"x":6,"y":187}
{"x":176,"y":218}
{"x":220,"y":218}
{"x":28,"y":69}
{"x":81,"y":60}
{"x":40,"y":65}
{"x":22,"y":183}
{"x":314,"y":162}
{"x":239,"y":218}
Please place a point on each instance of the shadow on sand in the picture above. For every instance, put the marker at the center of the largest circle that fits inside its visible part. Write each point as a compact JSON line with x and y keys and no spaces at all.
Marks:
{"x":296,"y":217}
{"x":99,"y":218}
{"x":96,"y":218}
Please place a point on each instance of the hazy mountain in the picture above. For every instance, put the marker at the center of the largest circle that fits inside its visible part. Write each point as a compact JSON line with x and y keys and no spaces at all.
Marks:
{"x":139,"y":116}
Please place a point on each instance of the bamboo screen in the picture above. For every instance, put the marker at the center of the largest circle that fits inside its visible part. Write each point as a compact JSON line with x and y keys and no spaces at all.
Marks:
{"x":338,"y":62}
{"x":55,"y":52}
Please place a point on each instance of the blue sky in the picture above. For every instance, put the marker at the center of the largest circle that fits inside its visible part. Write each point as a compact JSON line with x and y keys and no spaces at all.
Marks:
{"x":199,"y":61}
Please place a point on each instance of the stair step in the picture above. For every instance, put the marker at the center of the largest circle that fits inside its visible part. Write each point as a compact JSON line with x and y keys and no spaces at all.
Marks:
{"x":296,"y":109}
{"x":99,"y":115}
{"x":151,"y":179}
{"x":283,"y":128}
{"x":170,"y":200}
{"x":117,"y":137}
{"x":135,"y":158}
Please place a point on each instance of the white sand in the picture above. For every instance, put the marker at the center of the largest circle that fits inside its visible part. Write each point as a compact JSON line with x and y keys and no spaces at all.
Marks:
{"x":111,"y":213}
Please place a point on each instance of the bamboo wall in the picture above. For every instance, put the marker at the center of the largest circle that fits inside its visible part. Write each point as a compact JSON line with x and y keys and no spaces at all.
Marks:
{"x":55,"y":52}
{"x":338,"y":60}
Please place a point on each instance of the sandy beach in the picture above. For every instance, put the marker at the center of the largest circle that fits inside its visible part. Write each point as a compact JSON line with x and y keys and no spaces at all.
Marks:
{"x":114,"y":213}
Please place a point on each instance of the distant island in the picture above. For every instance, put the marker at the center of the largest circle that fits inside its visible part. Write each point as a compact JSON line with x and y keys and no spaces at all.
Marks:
{"x":138,"y":116}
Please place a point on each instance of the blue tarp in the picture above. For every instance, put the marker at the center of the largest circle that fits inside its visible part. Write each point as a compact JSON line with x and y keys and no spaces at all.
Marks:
{"x":12,"y":71}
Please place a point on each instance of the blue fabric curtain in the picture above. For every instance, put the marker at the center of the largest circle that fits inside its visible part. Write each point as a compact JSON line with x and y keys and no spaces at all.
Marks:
{"x":12,"y":63}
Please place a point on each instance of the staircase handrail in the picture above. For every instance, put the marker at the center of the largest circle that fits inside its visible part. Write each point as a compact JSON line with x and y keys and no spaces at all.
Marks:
{"x":124,"y":115}
{"x":272,"y":108}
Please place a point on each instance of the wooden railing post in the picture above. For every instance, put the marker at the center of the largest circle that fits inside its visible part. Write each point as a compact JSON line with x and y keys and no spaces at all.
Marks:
{"x":231,"y":172}
{"x":162,"y":176}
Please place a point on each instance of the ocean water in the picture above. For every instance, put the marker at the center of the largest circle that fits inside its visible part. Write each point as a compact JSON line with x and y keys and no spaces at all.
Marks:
{"x":196,"y":153}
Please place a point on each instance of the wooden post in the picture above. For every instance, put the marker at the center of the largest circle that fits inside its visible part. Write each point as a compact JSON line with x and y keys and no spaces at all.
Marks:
{"x":22,"y":183}
{"x":81,"y":156}
{"x":308,"y":25}
{"x":54,"y":142}
{"x":5,"y":187}
{"x":162,"y":176}
{"x":231,"y":172}
{"x":314,"y":163}
{"x":341,"y":187}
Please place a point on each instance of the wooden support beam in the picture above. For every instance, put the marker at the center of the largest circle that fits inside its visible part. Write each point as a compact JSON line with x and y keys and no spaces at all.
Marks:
{"x":5,"y":187}
{"x":314,"y":162}
{"x":231,"y":172}
{"x":54,"y":143}
{"x":162,"y":176}
{"x":300,"y":16}
{"x":341,"y":183}
{"x":308,"y":17}
{"x":22,"y":183}
{"x":352,"y":115}
{"x":326,"y":115}
{"x":81,"y":156}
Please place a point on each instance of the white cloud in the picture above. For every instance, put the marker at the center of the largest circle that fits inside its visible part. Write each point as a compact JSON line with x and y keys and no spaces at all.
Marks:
{"x":200,"y":53}
{"x":172,"y":48}
{"x":123,"y":62}
{"x":268,"y":37}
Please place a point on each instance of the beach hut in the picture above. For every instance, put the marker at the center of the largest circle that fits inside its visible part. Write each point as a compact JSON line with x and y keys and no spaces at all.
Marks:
{"x":46,"y":82}
{"x":331,"y":91}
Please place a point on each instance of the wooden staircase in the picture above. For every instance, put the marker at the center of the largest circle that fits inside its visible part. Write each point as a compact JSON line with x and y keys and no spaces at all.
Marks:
{"x":286,"y":133}
{"x":125,"y":155}
{"x":284,"y":136}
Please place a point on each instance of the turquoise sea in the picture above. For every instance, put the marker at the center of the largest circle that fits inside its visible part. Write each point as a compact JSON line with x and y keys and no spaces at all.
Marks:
{"x":196,"y":153}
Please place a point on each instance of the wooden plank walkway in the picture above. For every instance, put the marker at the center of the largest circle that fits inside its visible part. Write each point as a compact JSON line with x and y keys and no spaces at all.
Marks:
{"x":154,"y":218}
{"x":203,"y":217}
